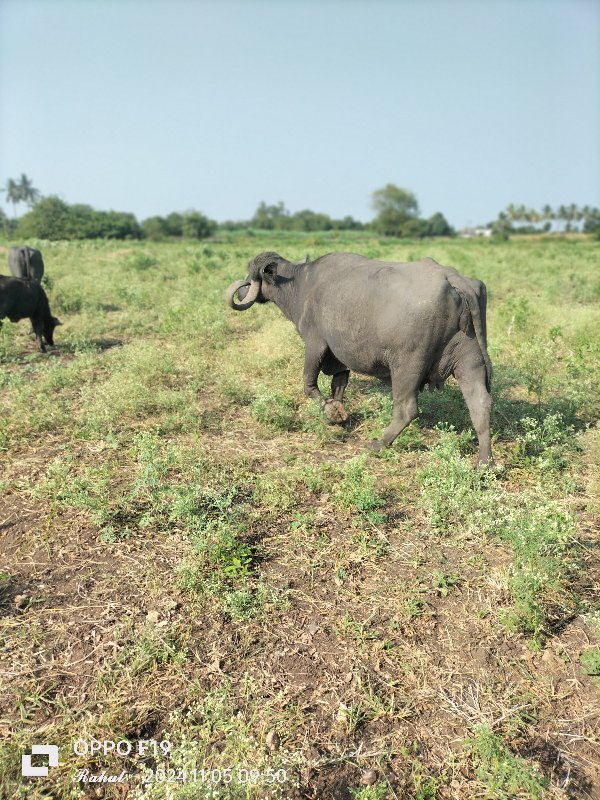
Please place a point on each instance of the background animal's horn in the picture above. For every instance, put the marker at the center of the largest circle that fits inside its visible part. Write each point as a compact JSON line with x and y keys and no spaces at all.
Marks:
{"x":249,"y":299}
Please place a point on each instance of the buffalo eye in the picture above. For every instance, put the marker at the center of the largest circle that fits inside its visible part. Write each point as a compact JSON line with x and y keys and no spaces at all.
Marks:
{"x":270,"y":272}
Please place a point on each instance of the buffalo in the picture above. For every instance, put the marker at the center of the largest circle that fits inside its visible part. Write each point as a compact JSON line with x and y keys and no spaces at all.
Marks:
{"x":27,"y":263}
{"x":409,"y":324}
{"x":19,"y":299}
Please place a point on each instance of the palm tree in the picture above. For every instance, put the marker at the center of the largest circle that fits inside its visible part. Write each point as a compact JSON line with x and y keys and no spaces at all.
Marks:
{"x":563,"y":215}
{"x":574,"y":213}
{"x":511,"y":212}
{"x":29,"y":194}
{"x":22,"y":191}
{"x":13,"y":194}
{"x":547,"y":213}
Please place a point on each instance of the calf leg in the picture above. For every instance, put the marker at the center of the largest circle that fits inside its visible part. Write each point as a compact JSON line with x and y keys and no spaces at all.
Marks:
{"x":405,"y":410}
{"x":473,"y":385}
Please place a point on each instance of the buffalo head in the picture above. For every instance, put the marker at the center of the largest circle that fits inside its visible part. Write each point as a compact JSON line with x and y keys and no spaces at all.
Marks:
{"x":258,"y":286}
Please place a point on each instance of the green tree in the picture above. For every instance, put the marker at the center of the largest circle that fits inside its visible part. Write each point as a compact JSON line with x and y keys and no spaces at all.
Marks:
{"x":348,"y":223}
{"x":438,"y":225}
{"x":49,"y":219}
{"x":196,"y":226}
{"x":310,"y":221}
{"x":591,"y":221}
{"x":395,"y":207}
{"x":270,"y":217}
{"x":174,"y":224}
{"x":155,"y":229}
{"x":52,"y":218}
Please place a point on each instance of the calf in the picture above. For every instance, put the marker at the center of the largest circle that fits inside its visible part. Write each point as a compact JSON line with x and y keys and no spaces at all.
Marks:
{"x":20,"y":299}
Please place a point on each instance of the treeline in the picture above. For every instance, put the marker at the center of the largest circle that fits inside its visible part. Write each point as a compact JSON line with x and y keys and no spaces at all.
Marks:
{"x":278,"y":218}
{"x":396,"y":214}
{"x":52,"y":218}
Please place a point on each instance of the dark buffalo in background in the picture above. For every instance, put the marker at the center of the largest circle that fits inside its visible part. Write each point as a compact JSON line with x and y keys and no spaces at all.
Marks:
{"x":410,"y":324}
{"x":26,"y":263}
{"x":24,"y":298}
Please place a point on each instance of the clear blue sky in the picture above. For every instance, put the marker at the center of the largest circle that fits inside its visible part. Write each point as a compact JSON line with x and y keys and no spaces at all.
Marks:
{"x":153,"y":106}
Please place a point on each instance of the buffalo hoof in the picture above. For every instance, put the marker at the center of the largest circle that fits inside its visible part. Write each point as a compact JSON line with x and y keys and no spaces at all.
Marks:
{"x":375,"y":446}
{"x":335,"y":412}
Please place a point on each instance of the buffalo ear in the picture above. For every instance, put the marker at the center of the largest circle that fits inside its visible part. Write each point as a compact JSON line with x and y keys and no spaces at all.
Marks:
{"x":269,"y":272}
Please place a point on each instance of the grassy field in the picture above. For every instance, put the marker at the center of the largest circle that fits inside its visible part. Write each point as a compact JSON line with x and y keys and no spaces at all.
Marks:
{"x":191,"y":555}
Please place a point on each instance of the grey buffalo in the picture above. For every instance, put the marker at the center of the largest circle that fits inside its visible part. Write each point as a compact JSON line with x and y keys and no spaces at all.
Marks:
{"x":26,"y":263}
{"x":411,"y":325}
{"x":20,"y":299}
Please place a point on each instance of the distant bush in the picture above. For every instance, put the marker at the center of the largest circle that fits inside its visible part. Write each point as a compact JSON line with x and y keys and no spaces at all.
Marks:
{"x":277,"y":217}
{"x":51,"y":218}
{"x":190,"y":225}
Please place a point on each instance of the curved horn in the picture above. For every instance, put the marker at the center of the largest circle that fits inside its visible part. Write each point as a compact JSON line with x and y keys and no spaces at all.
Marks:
{"x":250,"y":297}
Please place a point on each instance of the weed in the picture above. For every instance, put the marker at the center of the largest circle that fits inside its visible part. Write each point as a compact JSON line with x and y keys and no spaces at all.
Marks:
{"x":504,"y":775}
{"x":141,"y":261}
{"x":444,"y":582}
{"x":542,"y":443}
{"x":356,"y":490}
{"x":379,"y":791}
{"x":590,"y":661}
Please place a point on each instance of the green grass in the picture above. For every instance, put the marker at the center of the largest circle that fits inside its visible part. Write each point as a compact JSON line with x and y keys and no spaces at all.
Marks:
{"x":184,"y":523}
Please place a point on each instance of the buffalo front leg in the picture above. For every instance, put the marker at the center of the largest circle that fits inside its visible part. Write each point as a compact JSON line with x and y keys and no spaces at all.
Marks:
{"x":313,"y":360}
{"x":405,"y":410}
{"x":38,"y":328}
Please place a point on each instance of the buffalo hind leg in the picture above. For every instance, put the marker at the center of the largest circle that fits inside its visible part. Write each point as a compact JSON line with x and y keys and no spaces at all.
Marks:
{"x":405,"y":410}
{"x":473,"y":386}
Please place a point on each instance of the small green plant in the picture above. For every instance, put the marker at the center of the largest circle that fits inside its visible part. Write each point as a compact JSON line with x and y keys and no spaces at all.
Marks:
{"x":413,"y":607}
{"x":244,"y":604}
{"x":141,"y":261}
{"x":370,"y":543}
{"x":505,"y":775}
{"x":357,"y":491}
{"x":145,"y":652}
{"x":302,"y":521}
{"x":68,"y":301}
{"x":237,"y":391}
{"x":543,"y":442}
{"x":590,"y":661}
{"x":444,"y":582}
{"x":379,"y":791}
